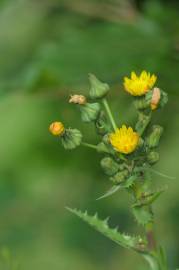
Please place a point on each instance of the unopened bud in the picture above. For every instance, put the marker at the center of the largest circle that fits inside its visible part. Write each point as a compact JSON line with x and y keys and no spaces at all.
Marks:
{"x":89,"y":112}
{"x":71,"y":138}
{"x":98,"y":89}
{"x":77,"y":99}
{"x":154,"y":137}
{"x":119,"y":177}
{"x":109,"y":166}
{"x":153,"y":157}
{"x":57,"y":128}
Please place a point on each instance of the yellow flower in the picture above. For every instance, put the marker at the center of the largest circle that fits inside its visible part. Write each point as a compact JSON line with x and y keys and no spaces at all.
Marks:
{"x":57,"y":128}
{"x":124,"y":140}
{"x":139,"y":85}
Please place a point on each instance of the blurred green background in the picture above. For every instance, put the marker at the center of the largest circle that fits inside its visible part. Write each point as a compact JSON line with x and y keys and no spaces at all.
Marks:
{"x":47,"y":49}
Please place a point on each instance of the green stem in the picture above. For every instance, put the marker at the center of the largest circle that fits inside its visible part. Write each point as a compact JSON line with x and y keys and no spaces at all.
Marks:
{"x":109,"y":113}
{"x":89,"y":145}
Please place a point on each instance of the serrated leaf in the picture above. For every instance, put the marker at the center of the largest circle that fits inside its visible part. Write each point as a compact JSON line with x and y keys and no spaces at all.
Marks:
{"x":130,"y":242}
{"x":142,"y":214}
{"x":149,"y":198}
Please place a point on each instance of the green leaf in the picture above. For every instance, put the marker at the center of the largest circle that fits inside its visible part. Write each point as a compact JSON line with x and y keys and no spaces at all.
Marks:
{"x":142,"y":214}
{"x":131,"y":242}
{"x":110,"y":192}
{"x":149,"y":198}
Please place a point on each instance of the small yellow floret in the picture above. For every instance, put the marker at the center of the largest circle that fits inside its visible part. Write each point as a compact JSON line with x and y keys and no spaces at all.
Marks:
{"x":139,"y":85}
{"x":124,"y":140}
{"x":57,"y":128}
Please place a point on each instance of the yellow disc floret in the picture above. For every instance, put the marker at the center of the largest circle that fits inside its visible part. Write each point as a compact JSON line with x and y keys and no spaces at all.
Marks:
{"x":124,"y":140}
{"x":139,"y":85}
{"x":57,"y":128}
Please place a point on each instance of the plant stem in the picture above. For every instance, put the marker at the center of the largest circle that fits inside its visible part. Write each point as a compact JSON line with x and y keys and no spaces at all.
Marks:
{"x":89,"y":145}
{"x":150,"y":237}
{"x":109,"y":113}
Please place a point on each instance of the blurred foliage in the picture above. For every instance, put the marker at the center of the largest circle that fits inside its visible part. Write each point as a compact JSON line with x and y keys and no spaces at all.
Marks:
{"x":47,"y":49}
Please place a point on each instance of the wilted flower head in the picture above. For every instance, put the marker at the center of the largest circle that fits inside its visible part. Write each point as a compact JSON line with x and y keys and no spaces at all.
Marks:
{"x":77,"y":99}
{"x":124,"y":140}
{"x":139,"y":85}
{"x":156,"y":95}
{"x":57,"y":128}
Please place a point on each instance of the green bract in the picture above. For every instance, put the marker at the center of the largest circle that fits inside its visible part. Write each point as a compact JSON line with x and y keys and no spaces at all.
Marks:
{"x":71,"y":138}
{"x":98,"y":89}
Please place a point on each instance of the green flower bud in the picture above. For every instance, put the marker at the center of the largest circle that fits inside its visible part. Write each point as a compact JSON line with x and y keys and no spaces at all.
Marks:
{"x":142,"y":123}
{"x":98,"y":89}
{"x":154,"y":137}
{"x":89,"y":111}
{"x":119,"y":177}
{"x":153,"y":157}
{"x":109,"y":166}
{"x":141,"y":103}
{"x":102,"y":124}
{"x":71,"y":138}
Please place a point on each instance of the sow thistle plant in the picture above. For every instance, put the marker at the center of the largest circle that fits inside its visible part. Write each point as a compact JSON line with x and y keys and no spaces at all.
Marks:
{"x":128,"y":156}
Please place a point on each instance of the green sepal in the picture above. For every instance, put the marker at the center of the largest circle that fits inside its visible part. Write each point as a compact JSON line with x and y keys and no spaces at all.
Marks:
{"x":142,"y":214}
{"x":89,"y":112}
{"x":131,"y":242}
{"x":98,"y":89}
{"x":71,"y":138}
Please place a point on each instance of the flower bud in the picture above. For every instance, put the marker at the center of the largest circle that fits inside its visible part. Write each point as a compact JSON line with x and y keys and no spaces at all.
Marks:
{"x":109,"y":166}
{"x":98,"y":89}
{"x":142,"y":123}
{"x":57,"y":128}
{"x":119,"y":177}
{"x":89,"y":111}
{"x":153,"y":157}
{"x":156,"y":98}
{"x":102,"y":125}
{"x":141,"y":103}
{"x":77,"y":99}
{"x":154,"y":137}
{"x":71,"y":138}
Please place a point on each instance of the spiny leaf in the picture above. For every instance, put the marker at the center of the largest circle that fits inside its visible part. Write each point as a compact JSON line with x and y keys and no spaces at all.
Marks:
{"x":142,"y":214}
{"x":149,"y":198}
{"x":131,"y":242}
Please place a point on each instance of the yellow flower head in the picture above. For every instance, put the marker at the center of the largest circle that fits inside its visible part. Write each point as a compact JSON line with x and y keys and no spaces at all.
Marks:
{"x":57,"y":128}
{"x":124,"y":140}
{"x":139,"y":85}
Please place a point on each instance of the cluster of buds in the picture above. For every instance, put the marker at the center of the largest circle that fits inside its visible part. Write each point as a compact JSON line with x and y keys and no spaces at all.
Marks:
{"x":125,"y":149}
